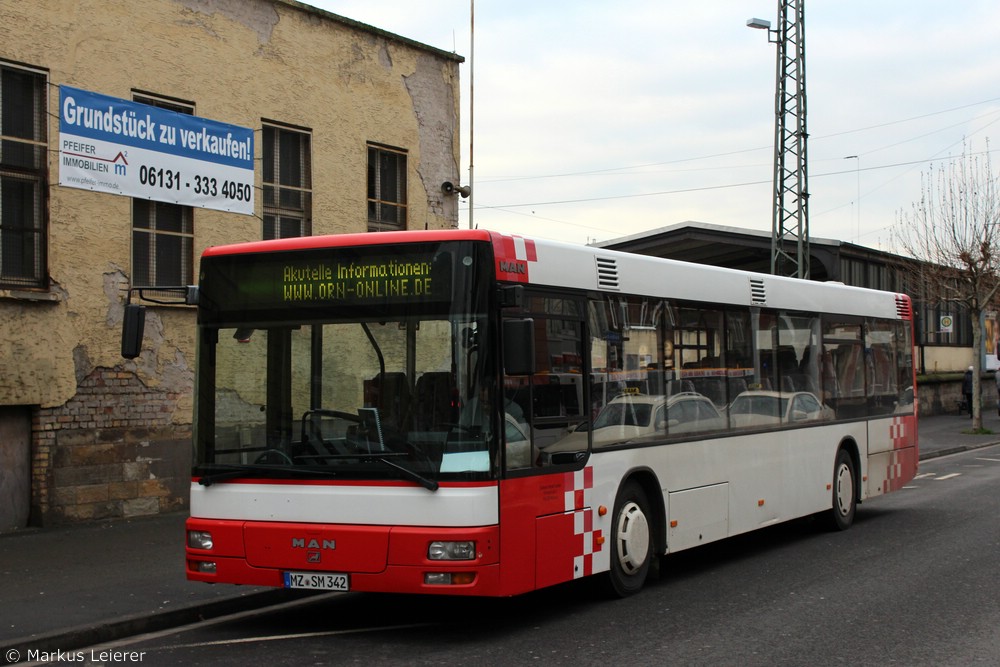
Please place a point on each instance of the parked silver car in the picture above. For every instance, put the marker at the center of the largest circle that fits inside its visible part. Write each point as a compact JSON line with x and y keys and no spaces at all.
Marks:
{"x":632,"y":417}
{"x":768,"y":408}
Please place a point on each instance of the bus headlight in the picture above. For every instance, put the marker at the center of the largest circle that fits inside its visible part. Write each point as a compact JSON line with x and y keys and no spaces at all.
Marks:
{"x":465,"y":550}
{"x":200,"y":539}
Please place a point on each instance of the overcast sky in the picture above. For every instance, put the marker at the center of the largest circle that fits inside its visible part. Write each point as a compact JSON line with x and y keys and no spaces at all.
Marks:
{"x":596,"y":119}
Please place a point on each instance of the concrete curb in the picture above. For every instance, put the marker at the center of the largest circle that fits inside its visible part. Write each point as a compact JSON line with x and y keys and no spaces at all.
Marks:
{"x":70,"y":639}
{"x":955,"y":450}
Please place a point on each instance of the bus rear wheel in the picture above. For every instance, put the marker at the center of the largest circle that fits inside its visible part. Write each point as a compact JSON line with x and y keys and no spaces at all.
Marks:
{"x":631,"y":542}
{"x":845,"y":503}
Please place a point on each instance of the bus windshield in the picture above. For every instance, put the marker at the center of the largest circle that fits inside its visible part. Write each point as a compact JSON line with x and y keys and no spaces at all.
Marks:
{"x":345,"y":363}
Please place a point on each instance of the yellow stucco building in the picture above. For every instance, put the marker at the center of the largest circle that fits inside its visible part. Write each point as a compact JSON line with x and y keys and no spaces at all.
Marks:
{"x":352,"y":129}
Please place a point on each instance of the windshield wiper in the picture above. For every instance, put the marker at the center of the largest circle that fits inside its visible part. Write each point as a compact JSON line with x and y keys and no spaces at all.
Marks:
{"x":227,"y":472}
{"x":224,"y":473}
{"x":429,"y":484}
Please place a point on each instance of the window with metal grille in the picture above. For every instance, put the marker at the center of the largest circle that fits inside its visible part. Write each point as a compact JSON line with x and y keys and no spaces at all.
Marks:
{"x":23,"y":178}
{"x":287,"y":182}
{"x":386,"y":188}
{"x":162,"y":233}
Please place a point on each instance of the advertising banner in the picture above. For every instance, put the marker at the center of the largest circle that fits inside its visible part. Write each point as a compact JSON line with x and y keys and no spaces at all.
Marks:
{"x":991,"y":341}
{"x":126,"y":148}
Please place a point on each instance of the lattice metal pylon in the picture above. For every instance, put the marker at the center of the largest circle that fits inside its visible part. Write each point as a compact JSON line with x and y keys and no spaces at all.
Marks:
{"x":790,"y":217}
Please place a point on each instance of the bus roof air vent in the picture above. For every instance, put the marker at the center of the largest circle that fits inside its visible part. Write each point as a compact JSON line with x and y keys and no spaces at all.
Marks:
{"x":758,"y":296}
{"x":903,"y":308}
{"x":607,"y":273}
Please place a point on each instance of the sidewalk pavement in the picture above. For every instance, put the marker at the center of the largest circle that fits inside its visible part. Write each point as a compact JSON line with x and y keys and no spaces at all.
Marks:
{"x":73,"y":586}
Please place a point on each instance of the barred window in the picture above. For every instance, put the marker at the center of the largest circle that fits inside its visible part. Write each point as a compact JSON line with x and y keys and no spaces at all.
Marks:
{"x":162,"y":233}
{"x":23,"y":178}
{"x":386,"y":188}
{"x":287,"y":182}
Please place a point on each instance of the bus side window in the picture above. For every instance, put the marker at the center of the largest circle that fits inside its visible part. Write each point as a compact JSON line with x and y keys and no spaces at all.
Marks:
{"x":545,"y":382}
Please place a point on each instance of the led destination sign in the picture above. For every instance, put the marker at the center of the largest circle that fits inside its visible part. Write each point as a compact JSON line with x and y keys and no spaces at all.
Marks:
{"x":380,"y":279}
{"x":271,"y":284}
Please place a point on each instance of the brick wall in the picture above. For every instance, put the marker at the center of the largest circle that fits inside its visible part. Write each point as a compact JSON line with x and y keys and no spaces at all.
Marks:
{"x":113,"y":450}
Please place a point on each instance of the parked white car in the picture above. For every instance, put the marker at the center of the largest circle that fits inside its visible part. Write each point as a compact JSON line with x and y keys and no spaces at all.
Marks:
{"x":518,"y":444}
{"x":633,"y":416}
{"x":768,"y":408}
{"x":637,"y":415}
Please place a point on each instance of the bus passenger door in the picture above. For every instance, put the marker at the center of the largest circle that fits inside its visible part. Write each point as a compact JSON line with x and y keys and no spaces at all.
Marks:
{"x":546,"y":446}
{"x":544,"y":400}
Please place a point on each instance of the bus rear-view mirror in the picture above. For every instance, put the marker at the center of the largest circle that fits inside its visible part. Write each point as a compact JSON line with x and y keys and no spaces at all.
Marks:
{"x":133,"y":325}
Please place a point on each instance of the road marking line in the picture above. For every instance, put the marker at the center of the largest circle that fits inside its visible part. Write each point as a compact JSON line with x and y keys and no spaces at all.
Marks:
{"x":954,"y":474}
{"x":991,"y":460}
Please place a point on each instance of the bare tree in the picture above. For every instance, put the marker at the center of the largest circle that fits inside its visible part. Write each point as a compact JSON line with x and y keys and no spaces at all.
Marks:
{"x":953,"y":233}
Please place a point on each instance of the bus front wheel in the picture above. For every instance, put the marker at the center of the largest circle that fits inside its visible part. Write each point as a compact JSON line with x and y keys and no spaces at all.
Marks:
{"x":841,"y":515}
{"x":631,"y":542}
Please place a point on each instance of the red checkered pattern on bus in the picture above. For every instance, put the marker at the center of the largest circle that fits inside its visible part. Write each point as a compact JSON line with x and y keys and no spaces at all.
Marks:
{"x":577,"y":485}
{"x":902,"y":459}
{"x":513,"y":253}
{"x":899,"y":432}
{"x":587,"y":541}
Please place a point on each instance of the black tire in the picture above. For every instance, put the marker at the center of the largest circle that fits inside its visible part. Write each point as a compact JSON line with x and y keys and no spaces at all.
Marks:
{"x":844,"y":497}
{"x":631,"y":542}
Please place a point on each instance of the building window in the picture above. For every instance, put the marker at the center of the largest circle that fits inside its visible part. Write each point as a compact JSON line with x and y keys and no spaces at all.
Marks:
{"x":23,"y":178}
{"x":386,"y":188}
{"x":287,"y":182}
{"x":162,"y":233}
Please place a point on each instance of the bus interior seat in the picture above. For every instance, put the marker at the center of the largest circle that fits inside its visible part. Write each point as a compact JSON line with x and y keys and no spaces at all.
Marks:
{"x":390,"y":393}
{"x":678,"y":387}
{"x":436,"y":402}
{"x":736,"y":386}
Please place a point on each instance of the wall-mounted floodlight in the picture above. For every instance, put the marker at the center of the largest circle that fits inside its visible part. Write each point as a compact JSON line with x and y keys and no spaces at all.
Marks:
{"x":759,"y":24}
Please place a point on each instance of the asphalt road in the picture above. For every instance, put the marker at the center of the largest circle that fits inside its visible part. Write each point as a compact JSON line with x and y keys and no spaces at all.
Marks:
{"x":914,"y":582}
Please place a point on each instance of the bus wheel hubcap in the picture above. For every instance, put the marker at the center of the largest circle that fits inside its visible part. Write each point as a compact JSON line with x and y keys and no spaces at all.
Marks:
{"x":845,"y":490}
{"x":633,"y":538}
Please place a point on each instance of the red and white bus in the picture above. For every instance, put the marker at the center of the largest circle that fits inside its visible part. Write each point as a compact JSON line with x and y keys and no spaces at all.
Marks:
{"x":473,"y":413}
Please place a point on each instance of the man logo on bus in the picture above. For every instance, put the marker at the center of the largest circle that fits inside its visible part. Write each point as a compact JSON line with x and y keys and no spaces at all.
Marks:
{"x":514,"y":267}
{"x":300,"y":543}
{"x":512,"y":256}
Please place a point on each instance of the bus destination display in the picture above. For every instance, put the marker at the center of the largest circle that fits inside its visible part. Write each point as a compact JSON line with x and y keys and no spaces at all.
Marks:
{"x":357,"y":281}
{"x":248,"y":283}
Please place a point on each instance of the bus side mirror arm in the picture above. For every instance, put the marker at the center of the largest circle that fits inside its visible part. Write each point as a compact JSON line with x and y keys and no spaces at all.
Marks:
{"x":134,"y":315}
{"x":519,"y":346}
